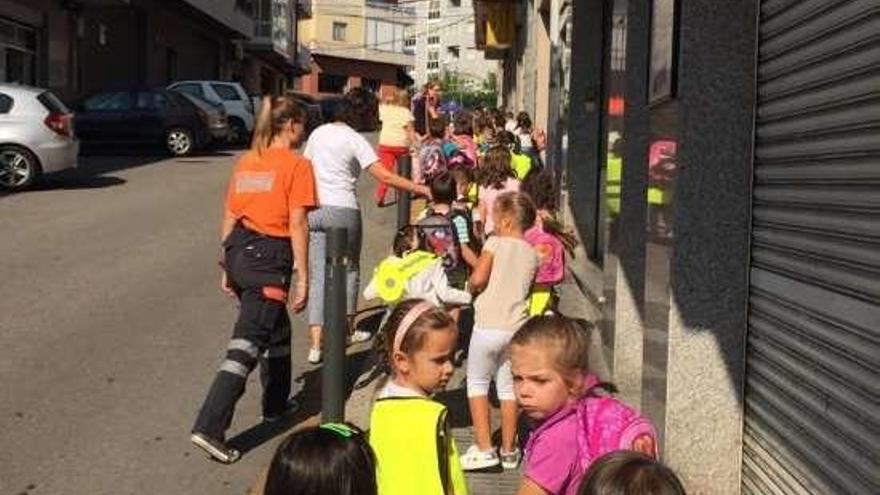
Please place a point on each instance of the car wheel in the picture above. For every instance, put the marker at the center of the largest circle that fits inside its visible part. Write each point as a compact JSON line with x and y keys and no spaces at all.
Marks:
{"x":238,"y":133}
{"x":19,"y":167}
{"x":179,"y":141}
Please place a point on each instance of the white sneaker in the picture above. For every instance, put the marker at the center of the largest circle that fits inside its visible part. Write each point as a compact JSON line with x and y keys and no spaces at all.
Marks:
{"x":314,"y":355}
{"x":359,"y":336}
{"x":475,"y":459}
{"x":510,"y":460}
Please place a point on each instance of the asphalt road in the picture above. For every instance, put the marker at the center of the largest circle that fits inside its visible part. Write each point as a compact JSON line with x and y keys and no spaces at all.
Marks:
{"x":111,"y":327}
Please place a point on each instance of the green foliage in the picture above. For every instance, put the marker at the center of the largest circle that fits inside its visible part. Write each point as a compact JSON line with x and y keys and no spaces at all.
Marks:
{"x":457,"y":87}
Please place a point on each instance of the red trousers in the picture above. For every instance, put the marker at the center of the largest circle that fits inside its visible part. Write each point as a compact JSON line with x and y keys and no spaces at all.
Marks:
{"x":388,"y":155}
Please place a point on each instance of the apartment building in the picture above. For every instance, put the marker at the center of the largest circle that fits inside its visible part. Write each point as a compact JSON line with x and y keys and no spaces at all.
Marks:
{"x":356,"y":43}
{"x":442,"y":40}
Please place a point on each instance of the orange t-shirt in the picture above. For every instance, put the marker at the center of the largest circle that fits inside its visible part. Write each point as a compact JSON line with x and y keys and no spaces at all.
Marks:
{"x":264,"y":189}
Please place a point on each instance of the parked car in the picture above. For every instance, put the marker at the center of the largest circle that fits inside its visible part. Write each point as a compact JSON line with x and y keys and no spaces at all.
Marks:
{"x":36,"y":135}
{"x":238,"y":104}
{"x":314,"y":115}
{"x":217,"y":122}
{"x":142,"y":117}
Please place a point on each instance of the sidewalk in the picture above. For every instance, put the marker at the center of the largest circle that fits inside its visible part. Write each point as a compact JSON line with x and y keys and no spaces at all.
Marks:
{"x":379,"y":227}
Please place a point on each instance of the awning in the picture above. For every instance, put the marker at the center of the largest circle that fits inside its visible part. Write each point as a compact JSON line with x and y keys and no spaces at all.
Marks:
{"x":495,"y":22}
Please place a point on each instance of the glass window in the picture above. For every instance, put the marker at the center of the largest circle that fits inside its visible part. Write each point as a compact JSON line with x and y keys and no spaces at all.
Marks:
{"x":331,"y":83}
{"x":226,"y":92}
{"x":108,"y":102}
{"x":52,"y":102}
{"x":5,"y":103}
{"x":191,"y":88}
{"x":434,"y":9}
{"x":433,"y":40}
{"x":153,"y":101}
{"x":339,"y":31}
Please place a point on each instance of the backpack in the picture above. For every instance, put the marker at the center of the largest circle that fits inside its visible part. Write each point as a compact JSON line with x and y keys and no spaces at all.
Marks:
{"x":437,"y":235}
{"x":608,"y":425}
{"x":432,"y":160}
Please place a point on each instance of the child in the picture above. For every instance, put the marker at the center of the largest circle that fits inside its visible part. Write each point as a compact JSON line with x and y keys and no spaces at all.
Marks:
{"x":523,"y":132}
{"x":630,"y":473}
{"x":574,"y":423}
{"x":466,"y":198}
{"x":445,"y":231}
{"x":549,"y":239}
{"x":462,"y":137}
{"x":331,"y":458}
{"x":522,"y":164}
{"x":432,"y":160}
{"x":502,"y":278}
{"x":495,"y":177}
{"x":411,"y":272}
{"x":409,"y":432}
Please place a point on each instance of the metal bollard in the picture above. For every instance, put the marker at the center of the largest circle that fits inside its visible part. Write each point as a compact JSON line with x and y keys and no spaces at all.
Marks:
{"x":404,"y":198}
{"x":335,"y":328}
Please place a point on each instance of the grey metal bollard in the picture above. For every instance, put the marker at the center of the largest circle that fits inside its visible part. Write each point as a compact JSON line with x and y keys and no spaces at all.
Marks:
{"x":404,"y":198}
{"x":335,"y":328}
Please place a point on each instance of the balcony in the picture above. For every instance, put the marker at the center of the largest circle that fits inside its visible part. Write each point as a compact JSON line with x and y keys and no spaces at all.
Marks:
{"x":272,"y":29}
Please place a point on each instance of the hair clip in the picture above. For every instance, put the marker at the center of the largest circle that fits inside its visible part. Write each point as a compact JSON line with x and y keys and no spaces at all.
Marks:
{"x":341,"y":429}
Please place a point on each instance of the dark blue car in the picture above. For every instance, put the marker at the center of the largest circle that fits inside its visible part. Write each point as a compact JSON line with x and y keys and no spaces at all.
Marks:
{"x":133,"y":118}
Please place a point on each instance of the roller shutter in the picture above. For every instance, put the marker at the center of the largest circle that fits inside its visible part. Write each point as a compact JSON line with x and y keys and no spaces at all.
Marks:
{"x":812,"y":417}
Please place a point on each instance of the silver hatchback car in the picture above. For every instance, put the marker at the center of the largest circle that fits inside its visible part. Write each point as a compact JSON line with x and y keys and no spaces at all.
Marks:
{"x":36,"y":135}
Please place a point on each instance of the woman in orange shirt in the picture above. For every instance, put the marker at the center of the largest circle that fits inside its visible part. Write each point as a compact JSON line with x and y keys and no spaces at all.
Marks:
{"x":265,"y":248}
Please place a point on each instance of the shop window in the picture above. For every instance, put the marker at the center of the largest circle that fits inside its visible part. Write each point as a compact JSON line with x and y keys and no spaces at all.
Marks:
{"x":331,"y":83}
{"x":339,"y":31}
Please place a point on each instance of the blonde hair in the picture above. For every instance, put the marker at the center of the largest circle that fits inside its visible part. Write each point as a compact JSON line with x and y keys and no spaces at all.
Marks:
{"x":563,"y":337}
{"x":399,"y":97}
{"x":274,"y":113}
{"x":519,"y":206}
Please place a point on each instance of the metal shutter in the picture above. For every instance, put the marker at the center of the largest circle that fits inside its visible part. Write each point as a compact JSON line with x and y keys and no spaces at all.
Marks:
{"x":812,"y":417}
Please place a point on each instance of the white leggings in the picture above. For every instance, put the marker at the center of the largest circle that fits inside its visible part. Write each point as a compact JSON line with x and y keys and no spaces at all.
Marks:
{"x":487,"y":356}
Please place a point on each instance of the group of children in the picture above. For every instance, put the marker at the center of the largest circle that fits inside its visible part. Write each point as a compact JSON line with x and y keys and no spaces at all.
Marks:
{"x":488,"y":240}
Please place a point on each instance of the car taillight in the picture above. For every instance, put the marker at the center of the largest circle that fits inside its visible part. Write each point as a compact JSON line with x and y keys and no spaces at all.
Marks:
{"x":60,"y":123}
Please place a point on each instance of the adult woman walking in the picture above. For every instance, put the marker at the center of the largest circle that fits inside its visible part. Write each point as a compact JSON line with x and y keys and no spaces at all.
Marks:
{"x":426,"y":106}
{"x":264,"y":236}
{"x":397,"y":135}
{"x":338,"y":154}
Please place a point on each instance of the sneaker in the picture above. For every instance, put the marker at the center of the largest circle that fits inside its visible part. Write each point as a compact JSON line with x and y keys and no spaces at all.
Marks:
{"x":314,"y":355}
{"x":510,"y":460}
{"x":359,"y":336}
{"x":290,"y":407}
{"x":217,"y":449}
{"x":475,"y":459}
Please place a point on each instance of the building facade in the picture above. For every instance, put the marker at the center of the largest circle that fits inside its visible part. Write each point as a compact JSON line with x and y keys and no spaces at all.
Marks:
{"x":356,"y":44}
{"x":78,"y":47}
{"x":719,"y":162}
{"x":442,"y":40}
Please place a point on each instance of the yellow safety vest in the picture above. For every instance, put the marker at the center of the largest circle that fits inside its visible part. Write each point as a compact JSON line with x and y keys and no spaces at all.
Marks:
{"x":521,"y":164}
{"x":415,"y":452}
{"x":392,"y":274}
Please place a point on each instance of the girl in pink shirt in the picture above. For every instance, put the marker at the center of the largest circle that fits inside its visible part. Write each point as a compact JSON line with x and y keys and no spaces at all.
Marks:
{"x":575,"y":421}
{"x":494,"y":178}
{"x":550,"y":240}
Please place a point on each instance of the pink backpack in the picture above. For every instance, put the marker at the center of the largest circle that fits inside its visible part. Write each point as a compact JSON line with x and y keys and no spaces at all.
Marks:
{"x":609,"y":425}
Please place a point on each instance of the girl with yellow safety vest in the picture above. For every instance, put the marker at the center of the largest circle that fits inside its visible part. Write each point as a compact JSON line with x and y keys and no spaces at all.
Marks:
{"x":409,"y":432}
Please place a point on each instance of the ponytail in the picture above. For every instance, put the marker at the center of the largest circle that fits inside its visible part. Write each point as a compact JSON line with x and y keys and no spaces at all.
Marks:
{"x":274,"y":113}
